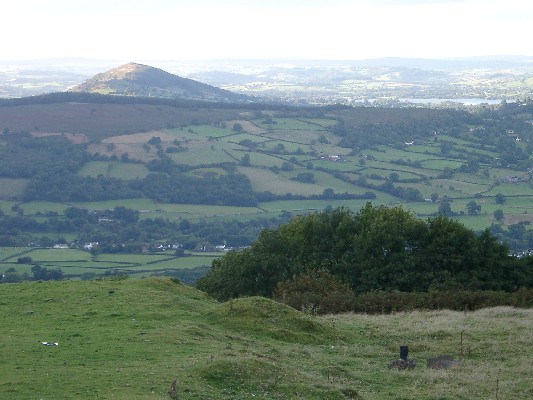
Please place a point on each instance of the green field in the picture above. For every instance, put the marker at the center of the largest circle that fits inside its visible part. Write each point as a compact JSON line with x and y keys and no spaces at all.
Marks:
{"x":131,"y":339}
{"x":299,"y":137}
{"x":8,"y":252}
{"x":323,"y":179}
{"x":440,"y":164}
{"x":259,"y":159}
{"x":316,"y":205}
{"x":175,"y":212}
{"x":147,"y":208}
{"x":419,"y":166}
{"x":238,"y":137}
{"x":42,"y":207}
{"x":208,"y":131}
{"x":74,"y":262}
{"x":266,"y":180}
{"x":291,"y":124}
{"x":114,"y":169}
{"x":326,"y":123}
{"x":199,"y":153}
{"x":136,"y":204}
{"x":49,"y":255}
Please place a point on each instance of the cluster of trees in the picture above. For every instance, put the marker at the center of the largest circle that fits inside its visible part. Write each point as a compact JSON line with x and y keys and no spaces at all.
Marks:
{"x":405,"y":193}
{"x":327,"y":194}
{"x":25,"y":156}
{"x":95,"y":98}
{"x":226,"y":189}
{"x":64,"y":186}
{"x":377,"y":248}
{"x":400,"y":125}
{"x":518,"y":236}
{"x":38,"y":273}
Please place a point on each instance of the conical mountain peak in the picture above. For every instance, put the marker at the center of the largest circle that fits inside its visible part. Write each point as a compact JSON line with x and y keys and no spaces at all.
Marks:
{"x":134,"y":79}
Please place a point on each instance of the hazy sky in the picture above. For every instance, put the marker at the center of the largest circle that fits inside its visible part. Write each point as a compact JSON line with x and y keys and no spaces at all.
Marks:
{"x":312,"y":29}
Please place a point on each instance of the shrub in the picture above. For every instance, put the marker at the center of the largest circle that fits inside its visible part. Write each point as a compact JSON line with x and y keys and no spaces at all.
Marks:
{"x":315,"y":291}
{"x":380,"y":302}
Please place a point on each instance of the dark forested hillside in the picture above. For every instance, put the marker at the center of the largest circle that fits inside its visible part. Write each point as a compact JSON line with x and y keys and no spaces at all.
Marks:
{"x":99,"y":116}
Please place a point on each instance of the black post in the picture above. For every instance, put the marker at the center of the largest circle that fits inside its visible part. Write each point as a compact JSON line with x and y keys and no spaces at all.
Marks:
{"x":404,"y":350}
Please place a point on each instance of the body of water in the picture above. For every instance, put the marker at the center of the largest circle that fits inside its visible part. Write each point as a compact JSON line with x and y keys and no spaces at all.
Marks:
{"x":466,"y":102}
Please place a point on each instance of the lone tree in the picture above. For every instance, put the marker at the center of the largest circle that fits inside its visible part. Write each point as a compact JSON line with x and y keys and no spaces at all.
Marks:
{"x":499,"y":198}
{"x":237,"y":127}
{"x":245,"y":160}
{"x":473,"y":208}
{"x":445,"y":209}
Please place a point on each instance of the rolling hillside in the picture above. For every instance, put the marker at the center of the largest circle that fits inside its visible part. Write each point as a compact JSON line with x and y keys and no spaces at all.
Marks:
{"x":131,"y":339}
{"x":218,"y":173}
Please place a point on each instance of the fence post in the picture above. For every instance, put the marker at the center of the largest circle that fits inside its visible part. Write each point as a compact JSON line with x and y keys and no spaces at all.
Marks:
{"x":404,"y":351}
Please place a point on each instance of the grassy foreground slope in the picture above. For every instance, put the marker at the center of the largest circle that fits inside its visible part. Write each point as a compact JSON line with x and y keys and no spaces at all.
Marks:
{"x":130,"y":339}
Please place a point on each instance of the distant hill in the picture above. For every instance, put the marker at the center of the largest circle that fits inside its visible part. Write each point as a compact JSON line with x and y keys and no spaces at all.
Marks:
{"x":144,"y":81}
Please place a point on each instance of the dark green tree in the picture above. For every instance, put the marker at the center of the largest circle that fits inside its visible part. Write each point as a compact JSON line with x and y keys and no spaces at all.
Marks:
{"x":155,"y":140}
{"x":305,"y":177}
{"x":499,"y":198}
{"x":245,"y":160}
{"x":445,"y":209}
{"x":238,"y":128}
{"x":378,"y":248}
{"x":473,"y":208}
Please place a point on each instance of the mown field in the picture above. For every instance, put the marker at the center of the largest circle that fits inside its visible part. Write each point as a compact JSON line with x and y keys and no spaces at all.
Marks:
{"x":131,"y":339}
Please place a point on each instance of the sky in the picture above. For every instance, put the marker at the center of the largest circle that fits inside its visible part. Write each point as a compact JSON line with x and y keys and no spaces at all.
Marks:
{"x":266,"y":29}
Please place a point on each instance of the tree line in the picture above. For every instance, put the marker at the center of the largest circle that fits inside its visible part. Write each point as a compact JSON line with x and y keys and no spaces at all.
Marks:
{"x":121,"y":230}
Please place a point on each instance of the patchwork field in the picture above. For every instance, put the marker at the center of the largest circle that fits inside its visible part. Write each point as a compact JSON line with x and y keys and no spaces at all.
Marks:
{"x":296,"y":161}
{"x":76,"y":263}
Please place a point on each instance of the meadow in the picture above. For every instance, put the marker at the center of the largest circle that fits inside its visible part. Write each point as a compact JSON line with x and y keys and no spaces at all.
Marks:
{"x":132,"y":338}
